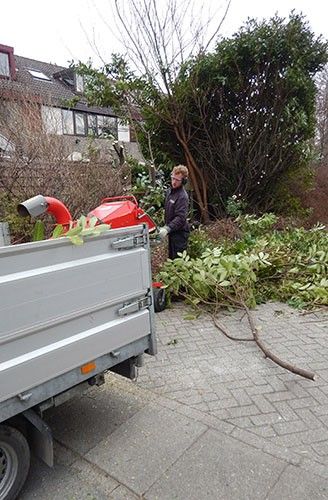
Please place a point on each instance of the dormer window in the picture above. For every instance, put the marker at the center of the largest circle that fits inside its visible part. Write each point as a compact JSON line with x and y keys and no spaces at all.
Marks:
{"x":4,"y":64}
{"x":7,"y":62}
{"x":38,"y":75}
{"x":79,"y":83}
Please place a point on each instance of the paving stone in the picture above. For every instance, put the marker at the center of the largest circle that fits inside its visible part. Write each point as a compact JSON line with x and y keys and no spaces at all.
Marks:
{"x":308,"y":418}
{"x":296,"y":484}
{"x":266,"y":418}
{"x":249,"y":438}
{"x":285,"y":411}
{"x":315,"y":468}
{"x":222,"y":414}
{"x":321,"y":448}
{"x":223,"y":403}
{"x":142,"y":449}
{"x":76,"y":482}
{"x":288,"y":440}
{"x":259,"y":389}
{"x":290,"y":427}
{"x":324,"y":420}
{"x":319,"y":395}
{"x":239,"y":376}
{"x":242,"y":422}
{"x":122,"y":493}
{"x":243,"y":411}
{"x":280,"y":396}
{"x":217,"y":466}
{"x":277,"y":384}
{"x":303,"y":403}
{"x":95,"y":415}
{"x":241,"y":396}
{"x":320,"y":410}
{"x":263,"y":405}
{"x":282,"y":453}
{"x":264,"y":431}
{"x":315,"y":436}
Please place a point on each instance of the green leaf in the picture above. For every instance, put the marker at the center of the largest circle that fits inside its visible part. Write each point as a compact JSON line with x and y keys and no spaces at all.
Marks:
{"x":190,"y":317}
{"x":102,"y":228}
{"x":82,"y":221}
{"x":38,"y":231}
{"x":76,"y":240}
{"x":225,"y":283}
{"x":74,"y":231}
{"x":58,"y":231}
{"x":89,"y":231}
{"x":93,"y":221}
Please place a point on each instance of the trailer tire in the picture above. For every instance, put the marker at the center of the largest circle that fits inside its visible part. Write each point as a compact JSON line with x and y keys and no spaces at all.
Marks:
{"x":159,"y":299}
{"x":14,"y":462}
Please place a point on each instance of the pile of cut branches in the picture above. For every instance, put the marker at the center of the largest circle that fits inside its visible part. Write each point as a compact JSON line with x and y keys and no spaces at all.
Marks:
{"x":264,"y":264}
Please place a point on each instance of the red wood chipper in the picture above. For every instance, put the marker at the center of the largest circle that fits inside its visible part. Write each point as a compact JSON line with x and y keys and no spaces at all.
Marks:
{"x":116,"y":211}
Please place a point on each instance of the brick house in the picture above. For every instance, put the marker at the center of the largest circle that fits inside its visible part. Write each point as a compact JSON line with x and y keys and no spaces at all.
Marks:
{"x":53,"y":89}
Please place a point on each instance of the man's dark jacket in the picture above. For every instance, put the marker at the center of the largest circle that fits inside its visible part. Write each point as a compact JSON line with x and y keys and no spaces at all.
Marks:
{"x":176,"y":209}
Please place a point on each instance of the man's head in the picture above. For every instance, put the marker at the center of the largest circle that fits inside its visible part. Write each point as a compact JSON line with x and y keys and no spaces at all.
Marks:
{"x":179,"y":176}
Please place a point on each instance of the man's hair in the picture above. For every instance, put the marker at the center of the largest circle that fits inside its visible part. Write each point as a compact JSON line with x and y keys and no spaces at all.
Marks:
{"x":181,"y":169}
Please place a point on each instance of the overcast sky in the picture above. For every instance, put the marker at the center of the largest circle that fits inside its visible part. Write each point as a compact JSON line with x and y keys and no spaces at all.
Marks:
{"x":58,"y":31}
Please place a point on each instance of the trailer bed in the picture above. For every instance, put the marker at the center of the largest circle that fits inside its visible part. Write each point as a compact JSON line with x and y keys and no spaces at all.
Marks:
{"x":63,"y":305}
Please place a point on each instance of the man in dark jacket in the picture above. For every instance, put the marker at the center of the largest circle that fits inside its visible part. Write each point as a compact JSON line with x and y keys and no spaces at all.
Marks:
{"x":176,"y":212}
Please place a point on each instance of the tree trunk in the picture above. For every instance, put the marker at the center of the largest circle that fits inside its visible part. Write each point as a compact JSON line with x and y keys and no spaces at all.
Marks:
{"x":196,"y":176}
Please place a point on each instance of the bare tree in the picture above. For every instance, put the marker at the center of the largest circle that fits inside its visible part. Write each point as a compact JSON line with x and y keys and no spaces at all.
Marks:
{"x":33,"y":161}
{"x":159,"y":37}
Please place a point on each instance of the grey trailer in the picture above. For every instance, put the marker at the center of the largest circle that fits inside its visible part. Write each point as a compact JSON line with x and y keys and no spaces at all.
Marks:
{"x":68,"y":315}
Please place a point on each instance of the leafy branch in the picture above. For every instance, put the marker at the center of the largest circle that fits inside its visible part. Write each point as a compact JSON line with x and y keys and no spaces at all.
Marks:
{"x":264,"y":264}
{"x":78,"y":230}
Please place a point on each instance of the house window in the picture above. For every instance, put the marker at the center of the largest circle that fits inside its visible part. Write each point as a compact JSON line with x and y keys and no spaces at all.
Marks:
{"x":107,"y":125}
{"x":79,"y":83}
{"x":68,"y":122}
{"x":4,"y":64}
{"x":80,"y":123}
{"x":6,"y":147}
{"x":38,"y":75}
{"x":52,"y":120}
{"x":92,"y":125}
{"x":123,"y":132}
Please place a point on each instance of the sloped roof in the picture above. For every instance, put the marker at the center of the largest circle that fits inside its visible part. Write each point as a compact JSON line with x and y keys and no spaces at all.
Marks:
{"x":53,"y":92}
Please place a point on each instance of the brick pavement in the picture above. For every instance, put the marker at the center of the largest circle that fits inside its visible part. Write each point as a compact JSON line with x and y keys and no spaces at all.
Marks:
{"x":230,"y":385}
{"x":208,"y":418}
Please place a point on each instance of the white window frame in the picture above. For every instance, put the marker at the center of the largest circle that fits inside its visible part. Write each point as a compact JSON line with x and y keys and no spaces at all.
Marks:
{"x":5,"y":65}
{"x":79,"y":83}
{"x":38,"y":75}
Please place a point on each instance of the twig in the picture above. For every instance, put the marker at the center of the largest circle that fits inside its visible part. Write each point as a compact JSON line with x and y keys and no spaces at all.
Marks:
{"x":225,"y":331}
{"x":270,"y":355}
{"x":241,"y":304}
{"x":313,"y":311}
{"x":288,"y":366}
{"x":315,"y":321}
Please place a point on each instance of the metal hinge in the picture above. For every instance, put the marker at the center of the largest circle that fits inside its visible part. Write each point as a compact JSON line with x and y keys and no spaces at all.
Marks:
{"x":24,"y":396}
{"x":130,"y":242}
{"x":131,"y":307}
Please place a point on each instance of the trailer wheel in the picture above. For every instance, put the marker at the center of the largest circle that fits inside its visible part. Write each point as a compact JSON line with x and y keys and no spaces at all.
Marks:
{"x":14,"y":462}
{"x":159,"y":299}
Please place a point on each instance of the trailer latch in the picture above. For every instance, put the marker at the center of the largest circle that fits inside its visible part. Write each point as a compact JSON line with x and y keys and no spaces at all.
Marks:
{"x":130,"y":242}
{"x":131,"y":307}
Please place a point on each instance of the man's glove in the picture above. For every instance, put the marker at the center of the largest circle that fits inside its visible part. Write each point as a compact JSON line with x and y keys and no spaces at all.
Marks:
{"x":163,"y":232}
